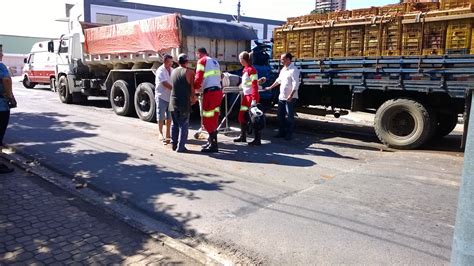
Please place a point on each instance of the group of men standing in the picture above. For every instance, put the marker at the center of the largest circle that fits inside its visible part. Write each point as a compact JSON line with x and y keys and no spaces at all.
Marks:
{"x":175,"y":93}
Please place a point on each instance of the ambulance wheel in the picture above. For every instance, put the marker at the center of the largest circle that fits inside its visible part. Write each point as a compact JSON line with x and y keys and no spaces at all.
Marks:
{"x":27,"y":83}
{"x":52,"y":84}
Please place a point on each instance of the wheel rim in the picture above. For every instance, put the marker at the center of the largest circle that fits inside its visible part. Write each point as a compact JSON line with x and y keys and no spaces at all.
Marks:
{"x":119,"y":98}
{"x":62,"y":89}
{"x":144,"y":102}
{"x":401,"y":124}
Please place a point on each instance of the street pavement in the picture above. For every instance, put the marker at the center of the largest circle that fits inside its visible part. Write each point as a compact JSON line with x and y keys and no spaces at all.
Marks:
{"x":43,"y":225}
{"x":333,"y":195}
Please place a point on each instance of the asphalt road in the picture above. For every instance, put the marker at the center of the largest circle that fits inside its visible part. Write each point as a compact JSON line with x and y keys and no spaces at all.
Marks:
{"x":333,"y":195}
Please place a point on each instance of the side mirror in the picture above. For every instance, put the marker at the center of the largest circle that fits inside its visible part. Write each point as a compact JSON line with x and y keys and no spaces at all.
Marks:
{"x":51,"y":46}
{"x":25,"y":60}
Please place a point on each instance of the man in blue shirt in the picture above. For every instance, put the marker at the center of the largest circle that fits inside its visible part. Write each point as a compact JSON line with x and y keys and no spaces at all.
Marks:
{"x":7,"y":100}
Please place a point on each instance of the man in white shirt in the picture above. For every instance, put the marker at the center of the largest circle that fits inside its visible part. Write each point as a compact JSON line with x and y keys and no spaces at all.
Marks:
{"x":289,"y":81}
{"x":162,"y":97}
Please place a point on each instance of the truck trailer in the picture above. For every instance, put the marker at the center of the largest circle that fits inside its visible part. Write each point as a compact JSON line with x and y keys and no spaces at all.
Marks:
{"x":411,"y":64}
{"x":119,"y":61}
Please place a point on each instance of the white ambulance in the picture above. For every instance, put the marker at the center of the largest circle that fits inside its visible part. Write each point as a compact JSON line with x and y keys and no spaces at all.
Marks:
{"x":40,"y":65}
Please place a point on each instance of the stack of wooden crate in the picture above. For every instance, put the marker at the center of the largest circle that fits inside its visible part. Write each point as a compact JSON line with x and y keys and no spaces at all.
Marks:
{"x":408,"y":29}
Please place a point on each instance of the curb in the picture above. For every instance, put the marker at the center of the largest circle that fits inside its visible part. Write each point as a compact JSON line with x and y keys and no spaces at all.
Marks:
{"x":126,"y":214}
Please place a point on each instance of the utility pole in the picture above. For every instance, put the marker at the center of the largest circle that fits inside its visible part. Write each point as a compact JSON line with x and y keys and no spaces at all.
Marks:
{"x":463,"y":240}
{"x":238,"y":12}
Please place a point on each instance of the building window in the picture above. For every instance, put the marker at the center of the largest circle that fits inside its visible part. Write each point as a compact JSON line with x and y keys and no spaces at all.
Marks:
{"x":102,"y":18}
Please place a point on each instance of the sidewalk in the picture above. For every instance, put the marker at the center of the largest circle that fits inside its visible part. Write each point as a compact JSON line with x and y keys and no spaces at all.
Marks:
{"x":42,"y":224}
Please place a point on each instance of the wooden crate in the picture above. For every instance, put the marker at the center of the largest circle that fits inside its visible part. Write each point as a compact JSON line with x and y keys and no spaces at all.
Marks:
{"x":338,"y":15}
{"x":417,"y":7}
{"x":355,"y":41}
{"x":472,"y":41}
{"x":392,"y":38}
{"x":311,"y":18}
{"x":292,"y":43}
{"x":434,"y":38}
{"x":372,"y":40}
{"x":321,"y":43}
{"x":453,"y":4}
{"x":319,"y":17}
{"x":365,"y":12}
{"x":279,"y":42}
{"x":338,"y":42}
{"x":412,"y":39}
{"x":393,"y":10}
{"x":306,"y":49}
{"x":458,"y":36}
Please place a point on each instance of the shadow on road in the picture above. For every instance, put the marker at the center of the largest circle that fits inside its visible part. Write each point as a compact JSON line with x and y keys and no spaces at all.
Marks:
{"x":322,"y":131}
{"x":49,"y":139}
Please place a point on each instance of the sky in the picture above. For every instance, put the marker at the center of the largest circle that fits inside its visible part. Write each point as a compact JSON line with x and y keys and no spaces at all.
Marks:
{"x":38,"y":19}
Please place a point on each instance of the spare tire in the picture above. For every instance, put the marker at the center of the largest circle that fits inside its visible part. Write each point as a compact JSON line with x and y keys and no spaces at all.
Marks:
{"x":445,"y":124}
{"x":403,"y":124}
{"x":145,"y":105}
{"x":121,"y":99}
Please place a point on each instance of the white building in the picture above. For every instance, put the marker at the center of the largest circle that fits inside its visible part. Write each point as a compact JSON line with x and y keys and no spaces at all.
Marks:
{"x":330,"y":5}
{"x":113,"y":11}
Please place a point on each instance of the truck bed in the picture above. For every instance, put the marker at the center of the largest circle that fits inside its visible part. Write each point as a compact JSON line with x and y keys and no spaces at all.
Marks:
{"x":146,"y":40}
{"x":451,"y":74}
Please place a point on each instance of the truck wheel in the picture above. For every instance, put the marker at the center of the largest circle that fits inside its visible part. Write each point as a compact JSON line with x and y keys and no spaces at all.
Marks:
{"x":145,"y":104}
{"x":403,"y":124}
{"x":63,"y":90}
{"x":120,"y":98}
{"x":27,"y":83}
{"x":445,"y":124}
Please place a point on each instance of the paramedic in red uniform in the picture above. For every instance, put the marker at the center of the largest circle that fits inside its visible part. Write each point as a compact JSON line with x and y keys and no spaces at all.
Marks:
{"x":250,"y":98}
{"x":208,"y":78}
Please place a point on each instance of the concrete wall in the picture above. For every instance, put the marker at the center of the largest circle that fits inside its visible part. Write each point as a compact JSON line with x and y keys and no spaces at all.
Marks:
{"x":14,"y":62}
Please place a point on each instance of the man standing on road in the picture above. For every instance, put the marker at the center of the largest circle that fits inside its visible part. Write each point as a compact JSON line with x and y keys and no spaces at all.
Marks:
{"x":208,"y":77}
{"x":289,"y":81}
{"x":162,"y":97}
{"x":182,"y":97}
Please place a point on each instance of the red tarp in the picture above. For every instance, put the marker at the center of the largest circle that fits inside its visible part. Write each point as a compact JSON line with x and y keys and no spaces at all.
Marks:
{"x":155,"y":34}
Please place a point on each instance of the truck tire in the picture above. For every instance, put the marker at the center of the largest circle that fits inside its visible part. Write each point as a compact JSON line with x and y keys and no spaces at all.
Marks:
{"x":121,"y":99}
{"x":63,"y":90}
{"x":403,"y":124}
{"x":145,"y":105}
{"x":27,"y":83}
{"x":446,"y":122}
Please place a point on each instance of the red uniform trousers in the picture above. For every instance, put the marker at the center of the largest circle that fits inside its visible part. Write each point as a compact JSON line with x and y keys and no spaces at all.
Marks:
{"x":211,"y":103}
{"x":244,"y":107}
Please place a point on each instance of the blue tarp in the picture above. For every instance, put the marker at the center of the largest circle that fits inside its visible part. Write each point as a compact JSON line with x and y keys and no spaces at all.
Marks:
{"x":192,"y":26}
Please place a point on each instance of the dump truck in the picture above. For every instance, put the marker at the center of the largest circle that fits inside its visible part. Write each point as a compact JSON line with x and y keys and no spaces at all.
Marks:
{"x":411,"y":64}
{"x":119,"y":61}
